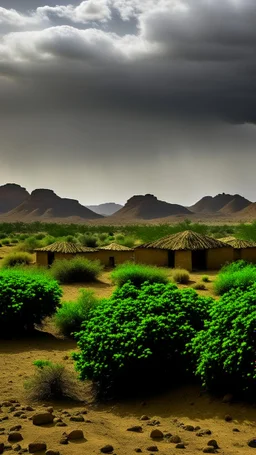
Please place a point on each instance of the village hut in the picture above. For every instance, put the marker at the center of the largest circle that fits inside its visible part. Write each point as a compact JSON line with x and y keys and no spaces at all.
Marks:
{"x":243,"y":249}
{"x":63,"y":250}
{"x":115,"y":254}
{"x":188,"y":250}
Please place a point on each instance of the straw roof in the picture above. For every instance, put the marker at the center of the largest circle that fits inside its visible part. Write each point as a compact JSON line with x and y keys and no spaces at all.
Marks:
{"x":115,"y":247}
{"x":187,"y":240}
{"x":66,"y":247}
{"x":237,"y":243}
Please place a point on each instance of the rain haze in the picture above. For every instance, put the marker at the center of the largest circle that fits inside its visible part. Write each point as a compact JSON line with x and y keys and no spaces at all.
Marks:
{"x":104,"y":99}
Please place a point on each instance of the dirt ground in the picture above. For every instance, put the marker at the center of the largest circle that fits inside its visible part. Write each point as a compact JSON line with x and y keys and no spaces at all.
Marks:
{"x":108,"y":423}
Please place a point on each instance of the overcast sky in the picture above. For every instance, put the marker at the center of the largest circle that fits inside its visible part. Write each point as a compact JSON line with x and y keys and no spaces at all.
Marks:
{"x":104,"y":99}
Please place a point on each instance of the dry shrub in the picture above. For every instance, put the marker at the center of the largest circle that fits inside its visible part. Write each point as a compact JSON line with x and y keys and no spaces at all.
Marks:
{"x":52,"y":382}
{"x":199,"y":286}
{"x":180,"y":276}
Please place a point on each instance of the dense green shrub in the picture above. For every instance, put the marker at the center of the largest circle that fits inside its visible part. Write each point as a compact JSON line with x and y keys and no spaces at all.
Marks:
{"x":69,"y":317}
{"x":230,"y":278}
{"x":90,"y":241}
{"x":225,"y":350}
{"x":26,"y":298}
{"x":137,"y":274}
{"x":51,"y":382}
{"x":137,"y":337}
{"x":17,"y":258}
{"x":205,"y":279}
{"x":6,"y":242}
{"x":29,"y":244}
{"x":199,"y":286}
{"x":76,"y":270}
{"x":180,"y":276}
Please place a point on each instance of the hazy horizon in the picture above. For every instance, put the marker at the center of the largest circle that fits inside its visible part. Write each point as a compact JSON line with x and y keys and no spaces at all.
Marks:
{"x":104,"y":99}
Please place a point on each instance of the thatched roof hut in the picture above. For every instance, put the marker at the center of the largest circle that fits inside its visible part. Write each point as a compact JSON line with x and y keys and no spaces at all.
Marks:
{"x":243,"y":249}
{"x":65,"y":248}
{"x":187,"y":240}
{"x":62,"y":250}
{"x":115,"y":247}
{"x":187,"y":249}
{"x":238,"y":243}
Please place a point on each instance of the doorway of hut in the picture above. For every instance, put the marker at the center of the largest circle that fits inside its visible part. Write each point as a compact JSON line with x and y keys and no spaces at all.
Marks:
{"x":199,"y":260}
{"x":50,"y":258}
{"x":111,"y":261}
{"x":171,"y":259}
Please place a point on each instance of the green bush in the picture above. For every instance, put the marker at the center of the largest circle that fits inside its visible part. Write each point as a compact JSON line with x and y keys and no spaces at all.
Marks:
{"x":29,"y":244}
{"x":205,"y":279}
{"x":199,"y":286}
{"x":17,"y":258}
{"x":90,"y":241}
{"x":6,"y":242}
{"x":137,"y":338}
{"x":26,"y":298}
{"x":231,"y":278}
{"x":69,"y":317}
{"x":225,"y":351}
{"x":180,"y":276}
{"x":137,"y":274}
{"x":76,"y":270}
{"x":51,"y":382}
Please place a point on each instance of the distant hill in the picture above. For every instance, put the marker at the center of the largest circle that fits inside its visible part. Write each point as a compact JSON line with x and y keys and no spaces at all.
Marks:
{"x":223,"y":203}
{"x":248,"y":212}
{"x":44,"y":204}
{"x":106,"y":209}
{"x":11,"y":195}
{"x":148,"y":207}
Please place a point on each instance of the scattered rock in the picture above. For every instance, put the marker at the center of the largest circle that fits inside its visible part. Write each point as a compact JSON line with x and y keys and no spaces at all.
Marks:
{"x":156,"y":434}
{"x":152,"y":449}
{"x":144,"y":417}
{"x":153,"y":423}
{"x":75,"y":434}
{"x":6,"y":404}
{"x":43,"y":418}
{"x":189,"y":428}
{"x":50,"y":409}
{"x":84,"y":411}
{"x":209,"y":450}
{"x":1,"y":447}
{"x":23,"y":416}
{"x":107,"y":449}
{"x":15,"y":436}
{"x":18,"y":413}
{"x":16,"y":447}
{"x":36,"y":446}
{"x":180,"y":445}
{"x":16,"y":428}
{"x":64,"y":440}
{"x":78,"y":418}
{"x":136,"y":429}
{"x":29,"y":408}
{"x":236,"y":430}
{"x":203,"y":432}
{"x":175,"y":439}
{"x":228,"y":418}
{"x":213,"y":443}
{"x":57,"y":420}
{"x":252,"y":443}
{"x":197,"y":428}
{"x":138,"y":450}
{"x":7,"y":447}
{"x":60,"y":424}
{"x":52,"y":452}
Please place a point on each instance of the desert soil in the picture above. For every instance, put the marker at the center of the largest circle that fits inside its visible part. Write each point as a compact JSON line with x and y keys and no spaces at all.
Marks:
{"x":107,"y":423}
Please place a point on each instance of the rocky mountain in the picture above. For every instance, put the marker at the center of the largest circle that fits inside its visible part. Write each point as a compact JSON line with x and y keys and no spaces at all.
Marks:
{"x":11,"y":195}
{"x":224,"y":203}
{"x":107,"y":209}
{"x":44,"y":204}
{"x":149,"y":207}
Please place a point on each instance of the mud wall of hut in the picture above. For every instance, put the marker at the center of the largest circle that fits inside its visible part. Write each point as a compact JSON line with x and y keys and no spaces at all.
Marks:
{"x":248,"y":254}
{"x":217,"y":257}
{"x":41,"y":257}
{"x":119,"y":257}
{"x":152,"y":256}
{"x":183,"y":260}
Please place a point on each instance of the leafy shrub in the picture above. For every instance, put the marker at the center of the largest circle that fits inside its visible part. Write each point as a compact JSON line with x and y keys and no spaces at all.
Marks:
{"x":199,"y":286}
{"x":138,"y":274}
{"x":69,"y":317}
{"x":225,"y":350}
{"x":205,"y":279}
{"x":51,"y":382}
{"x":137,"y":337}
{"x":40,"y":236}
{"x":88,"y":240}
{"x":180,"y":276}
{"x":29,"y":244}
{"x":6,"y":242}
{"x":232,"y":278}
{"x":17,"y":258}
{"x":76,"y":270}
{"x":129,"y":242}
{"x":26,"y":298}
{"x":234,"y":266}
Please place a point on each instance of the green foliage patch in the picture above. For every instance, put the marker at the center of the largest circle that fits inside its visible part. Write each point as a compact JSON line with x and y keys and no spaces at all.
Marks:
{"x":17,"y":258}
{"x":76,"y":270}
{"x":181,"y":276}
{"x":137,"y":274}
{"x":138,"y":337}
{"x":236,"y":275}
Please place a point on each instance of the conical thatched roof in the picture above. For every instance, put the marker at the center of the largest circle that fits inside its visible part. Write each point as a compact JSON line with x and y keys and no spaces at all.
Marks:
{"x":237,"y":243}
{"x":66,"y":247}
{"x":115,"y":247}
{"x":187,"y":240}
